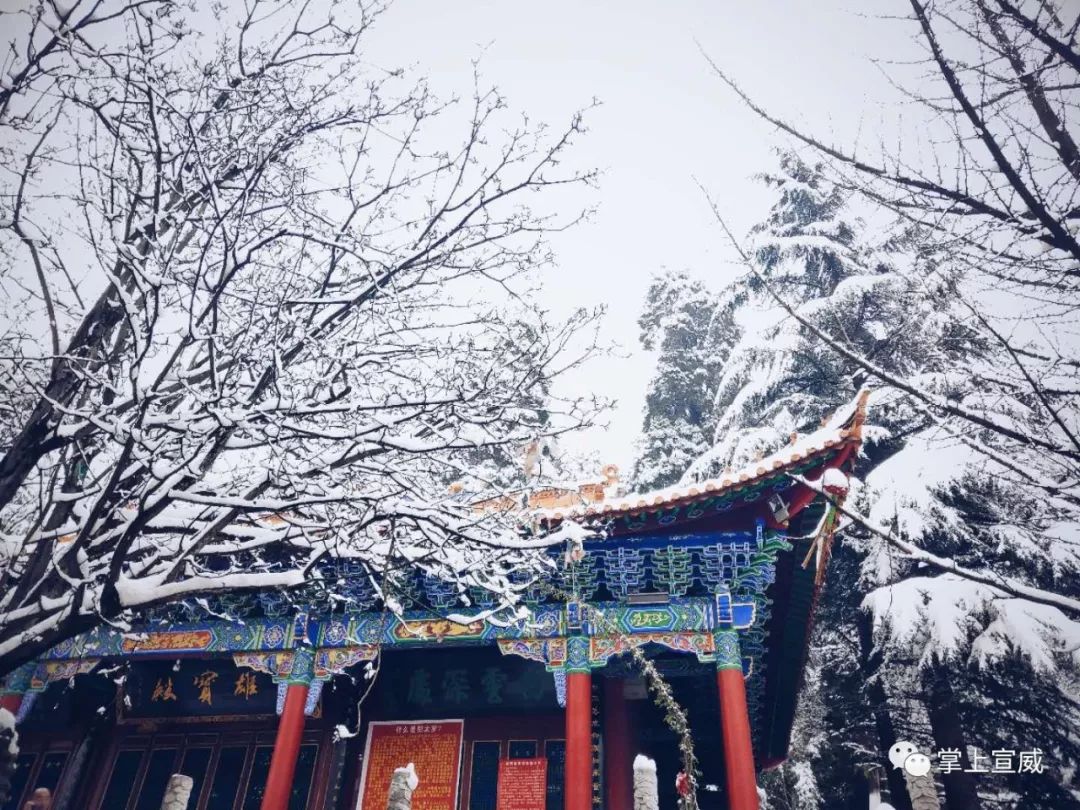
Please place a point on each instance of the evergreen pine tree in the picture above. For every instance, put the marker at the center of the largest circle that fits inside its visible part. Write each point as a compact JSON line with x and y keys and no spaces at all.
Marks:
{"x":897,"y":652}
{"x":691,"y":336}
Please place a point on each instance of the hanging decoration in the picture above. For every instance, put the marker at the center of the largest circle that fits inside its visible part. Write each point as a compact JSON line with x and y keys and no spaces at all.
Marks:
{"x":835,"y":485}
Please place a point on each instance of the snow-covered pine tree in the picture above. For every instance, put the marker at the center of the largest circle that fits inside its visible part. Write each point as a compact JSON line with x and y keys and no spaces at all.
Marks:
{"x":975,"y":631}
{"x":937,"y":650}
{"x":994,"y":674}
{"x":777,"y":381}
{"x":691,"y":334}
{"x":771,"y":380}
{"x":884,"y":664}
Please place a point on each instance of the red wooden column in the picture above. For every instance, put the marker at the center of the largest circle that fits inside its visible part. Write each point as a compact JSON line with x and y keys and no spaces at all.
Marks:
{"x":618,"y":753}
{"x":11,"y":702}
{"x":286,"y":748}
{"x":735,"y":723}
{"x":13,"y":688}
{"x":578,"y":786}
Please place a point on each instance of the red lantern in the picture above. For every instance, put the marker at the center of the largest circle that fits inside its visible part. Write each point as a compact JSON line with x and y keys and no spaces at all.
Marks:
{"x":835,"y":482}
{"x":682,"y":784}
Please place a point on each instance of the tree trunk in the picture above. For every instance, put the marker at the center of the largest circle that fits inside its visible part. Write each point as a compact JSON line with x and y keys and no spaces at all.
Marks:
{"x":960,"y":792}
{"x":177,"y":792}
{"x":646,"y":795}
{"x":402,"y":785}
{"x":923,"y":792}
{"x":869,"y":663}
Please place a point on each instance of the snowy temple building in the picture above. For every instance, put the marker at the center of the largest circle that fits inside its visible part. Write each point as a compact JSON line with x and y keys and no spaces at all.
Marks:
{"x":715,"y":583}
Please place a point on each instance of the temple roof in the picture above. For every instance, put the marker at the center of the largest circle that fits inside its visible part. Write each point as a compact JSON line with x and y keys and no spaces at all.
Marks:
{"x":843,"y":429}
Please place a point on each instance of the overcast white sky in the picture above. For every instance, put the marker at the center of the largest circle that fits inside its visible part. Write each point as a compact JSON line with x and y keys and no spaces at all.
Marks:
{"x":664,"y":118}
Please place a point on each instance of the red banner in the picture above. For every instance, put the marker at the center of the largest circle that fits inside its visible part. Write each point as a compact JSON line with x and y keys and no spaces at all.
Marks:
{"x":434,"y":749}
{"x":522,"y":784}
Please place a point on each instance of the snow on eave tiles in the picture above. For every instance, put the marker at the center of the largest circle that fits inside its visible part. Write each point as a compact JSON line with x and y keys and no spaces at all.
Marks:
{"x":844,"y":427}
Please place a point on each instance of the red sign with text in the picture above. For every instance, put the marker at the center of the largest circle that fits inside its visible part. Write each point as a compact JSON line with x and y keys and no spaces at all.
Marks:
{"x":522,"y":784}
{"x":434,"y":749}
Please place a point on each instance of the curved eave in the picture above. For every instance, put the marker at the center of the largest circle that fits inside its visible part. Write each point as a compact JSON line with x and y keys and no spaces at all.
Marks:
{"x":832,"y":444}
{"x":794,"y":594}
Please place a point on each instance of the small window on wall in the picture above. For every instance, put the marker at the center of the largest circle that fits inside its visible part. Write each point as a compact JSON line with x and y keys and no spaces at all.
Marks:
{"x":226,"y":777}
{"x":159,"y":770}
{"x":52,"y":766}
{"x":555,"y":751}
{"x":260,"y":770}
{"x":484,"y":775}
{"x":24,"y":763}
{"x":522,"y":749}
{"x":122,"y":780}
{"x":196,"y":764}
{"x":33,"y":771}
{"x":226,"y":784}
{"x":305,"y":769}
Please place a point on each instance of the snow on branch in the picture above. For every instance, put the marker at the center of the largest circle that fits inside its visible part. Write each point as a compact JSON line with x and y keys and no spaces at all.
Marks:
{"x":1004,"y":585}
{"x":287,"y":314}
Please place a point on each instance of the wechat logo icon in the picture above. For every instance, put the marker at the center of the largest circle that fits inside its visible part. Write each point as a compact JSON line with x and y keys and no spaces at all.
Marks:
{"x":905,"y":755}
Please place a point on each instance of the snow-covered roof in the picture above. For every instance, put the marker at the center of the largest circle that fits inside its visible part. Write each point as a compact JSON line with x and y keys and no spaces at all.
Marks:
{"x":844,"y":427}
